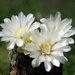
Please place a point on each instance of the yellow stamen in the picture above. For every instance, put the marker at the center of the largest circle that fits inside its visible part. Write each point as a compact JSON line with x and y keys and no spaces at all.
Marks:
{"x":19,"y":31}
{"x":58,"y":30}
{"x":46,"y":47}
{"x":29,"y":41}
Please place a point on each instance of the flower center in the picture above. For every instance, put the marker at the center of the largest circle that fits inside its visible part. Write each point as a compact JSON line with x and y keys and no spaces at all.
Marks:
{"x":46,"y":47}
{"x":58,"y":30}
{"x":29,"y":41}
{"x":19,"y":31}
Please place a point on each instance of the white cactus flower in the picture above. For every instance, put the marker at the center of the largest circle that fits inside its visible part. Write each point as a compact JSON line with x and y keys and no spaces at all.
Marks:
{"x":63,"y":27}
{"x":47,"y":47}
{"x":18,"y":25}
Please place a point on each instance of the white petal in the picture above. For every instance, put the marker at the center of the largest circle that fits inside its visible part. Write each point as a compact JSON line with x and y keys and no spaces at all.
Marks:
{"x":29,"y":19}
{"x":40,"y":59}
{"x":19,"y":42}
{"x":29,"y":47}
{"x":62,"y":59}
{"x":65,"y":23}
{"x":30,"y":22}
{"x":8,"y":25}
{"x":57,"y":53}
{"x":34,"y":26}
{"x":7,"y":38}
{"x":43,"y":20}
{"x":67,"y":28}
{"x":48,"y":58}
{"x":70,"y":32}
{"x":61,"y":33}
{"x":3,"y":26}
{"x":58,"y":15}
{"x":43,"y":28}
{"x":22,"y":19}
{"x":36,"y":37}
{"x":56,"y":62}
{"x":29,"y":16}
{"x":51,"y":19}
{"x":32,"y":47}
{"x":51,"y":24}
{"x":15,"y":22}
{"x":52,"y":36}
{"x":48,"y":22}
{"x":34,"y":54}
{"x":57,"y":19}
{"x":60,"y":44}
{"x":6,"y":19}
{"x":34,"y":62}
{"x":11,"y":45}
{"x":8,"y":32}
{"x":69,"y":40}
{"x":2,"y":34}
{"x":66,"y":48}
{"x":63,"y":49}
{"x":43,"y":31}
{"x":47,"y":66}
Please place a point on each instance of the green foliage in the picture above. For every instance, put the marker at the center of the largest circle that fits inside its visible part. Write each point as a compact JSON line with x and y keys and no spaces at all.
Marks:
{"x":4,"y":64}
{"x":40,"y":8}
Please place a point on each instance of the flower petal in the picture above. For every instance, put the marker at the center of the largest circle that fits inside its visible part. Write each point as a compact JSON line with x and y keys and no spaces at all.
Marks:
{"x":11,"y":45}
{"x":70,"y":32}
{"x":48,"y":58}
{"x":63,"y":49}
{"x":19,"y":42}
{"x":40,"y":59}
{"x":29,"y":19}
{"x":32,"y":47}
{"x":57,"y":53}
{"x":22,"y":19}
{"x":34,"y":26}
{"x":66,"y":48}
{"x":34,"y":54}
{"x":47,"y":66}
{"x":7,"y":38}
{"x":52,"y":36}
{"x":56,"y":62}
{"x":34,"y":62}
{"x":36,"y":37}
{"x":60,"y":44}
{"x":57,"y":19}
{"x":15,"y":21}
{"x":6,"y":19}
{"x":43,"y":31}
{"x":65,"y":23}
{"x":2,"y":34}
{"x":62,"y":59}
{"x":69,"y":40}
{"x":44,"y":21}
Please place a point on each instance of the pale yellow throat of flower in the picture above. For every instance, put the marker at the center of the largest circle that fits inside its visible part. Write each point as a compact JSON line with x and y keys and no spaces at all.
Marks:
{"x":29,"y":41}
{"x":58,"y":30}
{"x":19,"y":31}
{"x":46,"y":47}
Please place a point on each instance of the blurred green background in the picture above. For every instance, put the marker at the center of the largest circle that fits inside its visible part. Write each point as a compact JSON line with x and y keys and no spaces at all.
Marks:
{"x":40,"y":8}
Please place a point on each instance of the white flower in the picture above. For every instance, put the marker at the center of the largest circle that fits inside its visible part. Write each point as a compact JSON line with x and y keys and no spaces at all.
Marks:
{"x":63,"y":27}
{"x":47,"y":48}
{"x":18,"y":25}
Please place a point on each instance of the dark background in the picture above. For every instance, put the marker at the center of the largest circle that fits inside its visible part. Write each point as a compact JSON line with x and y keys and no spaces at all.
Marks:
{"x":40,"y":8}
